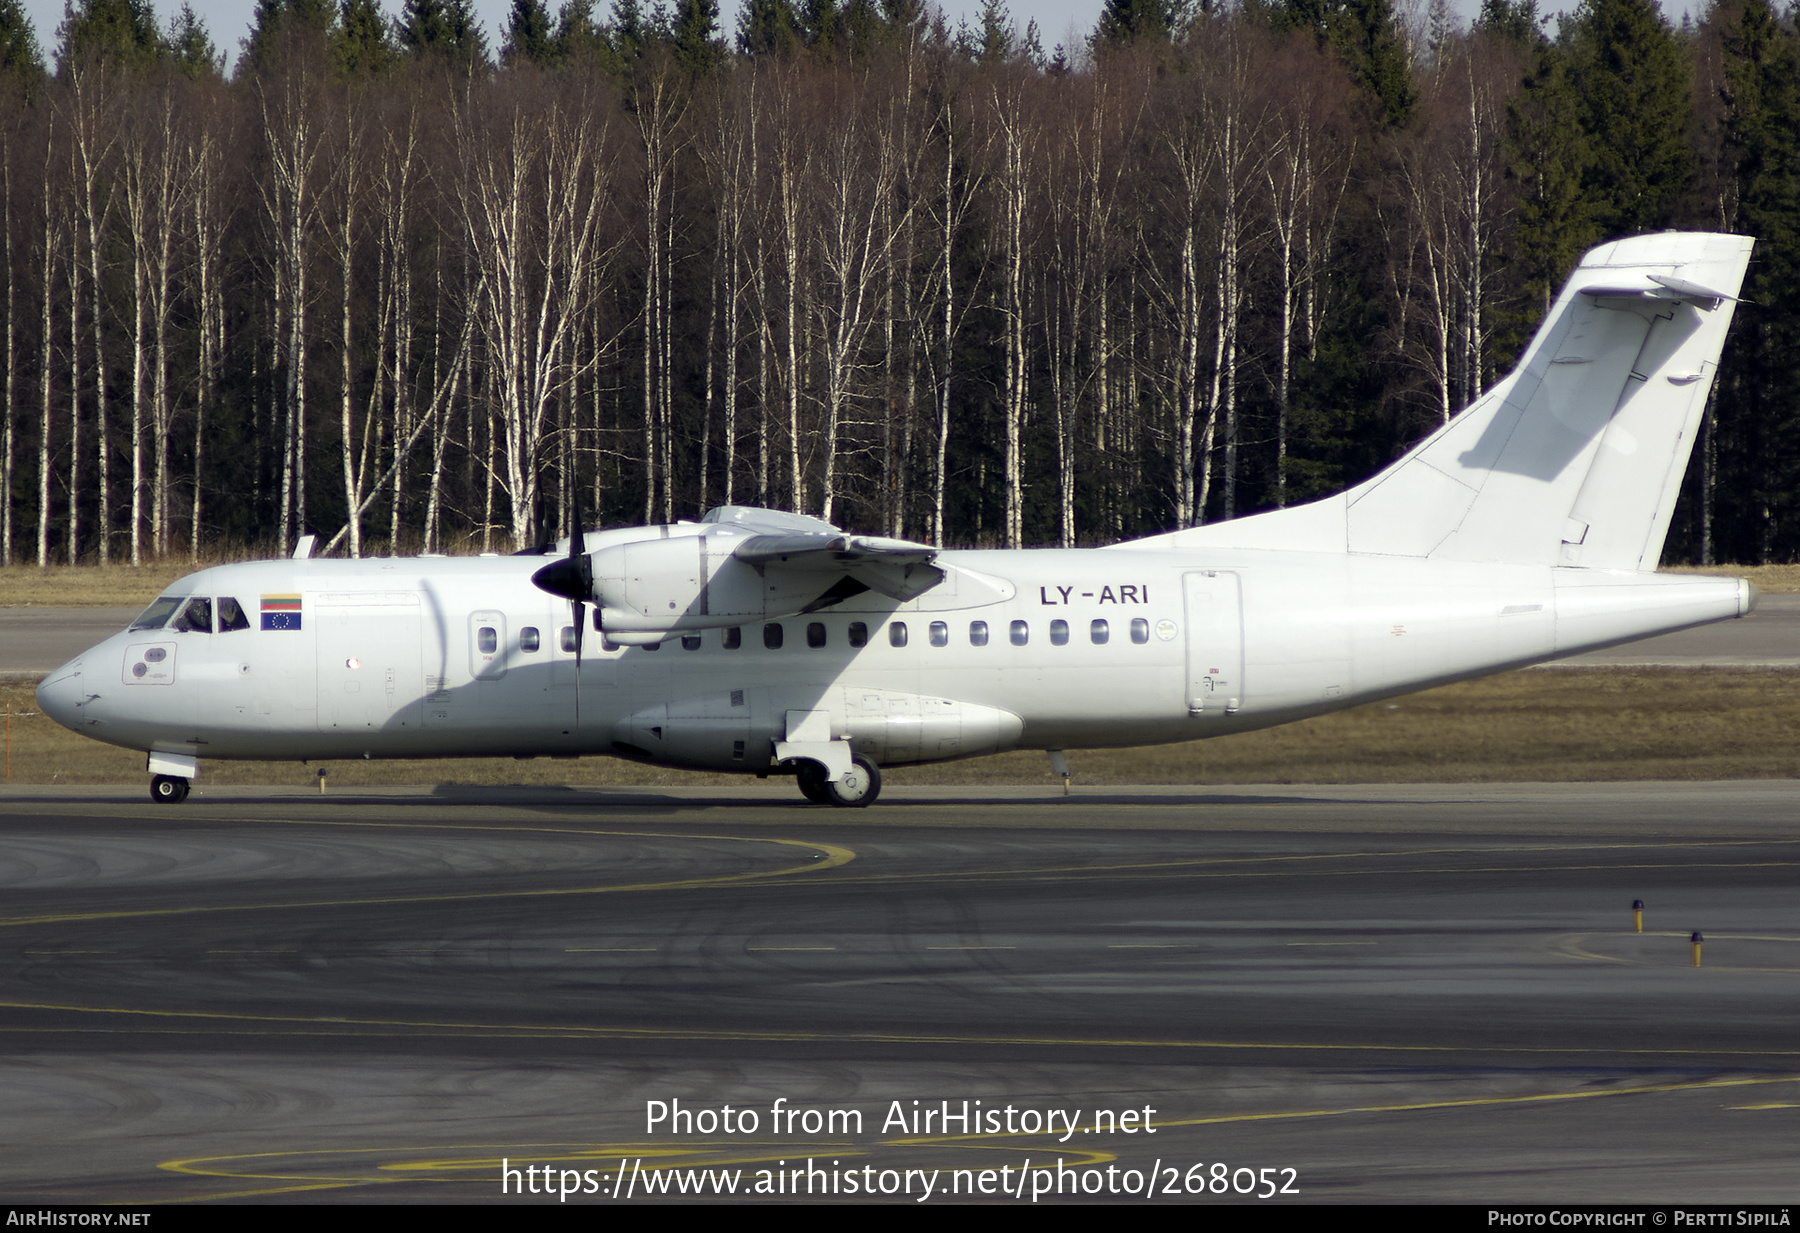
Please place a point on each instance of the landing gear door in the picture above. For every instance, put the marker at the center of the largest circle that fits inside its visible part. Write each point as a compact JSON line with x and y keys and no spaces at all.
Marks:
{"x":1215,"y":642}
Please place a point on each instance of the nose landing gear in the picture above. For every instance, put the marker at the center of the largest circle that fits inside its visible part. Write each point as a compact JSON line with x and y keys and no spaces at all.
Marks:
{"x":856,"y":790}
{"x":168,"y":789}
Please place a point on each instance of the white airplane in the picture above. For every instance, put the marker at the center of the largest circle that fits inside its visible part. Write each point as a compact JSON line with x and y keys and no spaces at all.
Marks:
{"x":1527,"y":528}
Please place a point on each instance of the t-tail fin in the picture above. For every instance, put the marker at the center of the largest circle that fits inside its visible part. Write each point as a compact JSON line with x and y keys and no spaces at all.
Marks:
{"x":1576,"y":456}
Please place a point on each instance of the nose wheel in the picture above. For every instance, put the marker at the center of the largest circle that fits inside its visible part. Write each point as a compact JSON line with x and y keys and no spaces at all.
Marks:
{"x":856,"y":790}
{"x":168,"y":790}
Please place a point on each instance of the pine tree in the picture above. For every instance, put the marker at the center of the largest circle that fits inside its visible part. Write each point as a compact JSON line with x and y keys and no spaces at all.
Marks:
{"x":1126,"y":21}
{"x":1636,"y":96}
{"x":629,"y":31}
{"x":120,"y":30}
{"x":696,"y":36}
{"x":1516,"y":21}
{"x":444,"y":30}
{"x":768,"y":26}
{"x":1759,"y":407}
{"x":192,"y":47}
{"x":996,"y":37}
{"x":1367,"y":34}
{"x":819,"y":20}
{"x":277,"y":21}
{"x":577,"y":37}
{"x":1369,"y":37}
{"x":20,"y":58}
{"x":364,"y":42}
{"x":528,"y":35}
{"x":1549,"y":159}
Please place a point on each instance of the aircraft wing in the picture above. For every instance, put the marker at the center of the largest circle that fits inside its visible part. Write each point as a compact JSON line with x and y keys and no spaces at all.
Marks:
{"x":896,"y":568}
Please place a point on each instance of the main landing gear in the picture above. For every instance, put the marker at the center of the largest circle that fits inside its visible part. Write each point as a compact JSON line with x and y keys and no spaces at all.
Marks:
{"x":856,"y":790}
{"x":168,"y":790}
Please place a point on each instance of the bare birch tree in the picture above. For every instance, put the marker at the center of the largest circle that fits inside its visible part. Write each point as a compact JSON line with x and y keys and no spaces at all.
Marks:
{"x":532,"y":198}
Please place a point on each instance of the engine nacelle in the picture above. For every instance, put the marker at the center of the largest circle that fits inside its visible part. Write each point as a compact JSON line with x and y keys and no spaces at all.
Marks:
{"x":692,"y":582}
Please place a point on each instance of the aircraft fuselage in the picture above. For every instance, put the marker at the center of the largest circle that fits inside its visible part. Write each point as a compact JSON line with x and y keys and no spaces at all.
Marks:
{"x":457,"y":657}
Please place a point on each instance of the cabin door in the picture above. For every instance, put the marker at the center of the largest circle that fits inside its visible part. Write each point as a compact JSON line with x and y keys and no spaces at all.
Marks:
{"x":1215,"y":642}
{"x":370,"y":674}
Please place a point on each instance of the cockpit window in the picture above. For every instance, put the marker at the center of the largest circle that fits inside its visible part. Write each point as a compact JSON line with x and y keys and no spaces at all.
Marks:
{"x":231,"y":615}
{"x":157,"y":614}
{"x":196,"y":618}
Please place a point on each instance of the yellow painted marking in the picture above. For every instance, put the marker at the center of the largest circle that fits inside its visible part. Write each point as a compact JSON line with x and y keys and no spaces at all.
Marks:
{"x":834,"y":855}
{"x":609,"y":950}
{"x":1331,"y":943}
{"x":1144,"y":872}
{"x":654,"y":1157}
{"x":1149,"y":945}
{"x":1309,"y":857}
{"x":790,"y":948}
{"x":1570,"y":945}
{"x":1773,"y":1104}
{"x":1469,"y":1102}
{"x":971,"y":948}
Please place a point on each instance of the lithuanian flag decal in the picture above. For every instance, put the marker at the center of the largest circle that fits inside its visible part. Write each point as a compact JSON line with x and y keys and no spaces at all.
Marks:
{"x":281,"y":611}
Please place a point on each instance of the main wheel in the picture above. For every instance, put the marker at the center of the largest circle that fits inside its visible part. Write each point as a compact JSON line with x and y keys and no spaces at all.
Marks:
{"x":168,"y":790}
{"x":811,"y":778}
{"x":858,"y":789}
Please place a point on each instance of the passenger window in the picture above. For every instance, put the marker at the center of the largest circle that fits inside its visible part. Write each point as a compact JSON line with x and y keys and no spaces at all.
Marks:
{"x":690,"y":642}
{"x":772,"y":635}
{"x":231,"y":615}
{"x":1140,"y":630}
{"x":859,"y":634}
{"x":977,"y":633}
{"x":1098,"y":632}
{"x":1059,"y":633}
{"x":896,"y":633}
{"x":568,"y":639}
{"x":733,"y":639}
{"x":196,"y":618}
{"x":939,"y":634}
{"x":488,"y":643}
{"x":815,"y":634}
{"x":1021,"y":633}
{"x":529,"y":639}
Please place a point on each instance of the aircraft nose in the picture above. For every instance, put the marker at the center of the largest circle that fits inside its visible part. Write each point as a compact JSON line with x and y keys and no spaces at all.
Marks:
{"x":60,"y":696}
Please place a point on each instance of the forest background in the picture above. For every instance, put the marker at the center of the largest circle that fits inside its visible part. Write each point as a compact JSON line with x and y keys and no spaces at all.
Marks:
{"x":390,"y":285}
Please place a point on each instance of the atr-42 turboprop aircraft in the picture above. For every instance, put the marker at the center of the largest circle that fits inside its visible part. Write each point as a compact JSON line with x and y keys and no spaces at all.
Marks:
{"x":1529,"y":527}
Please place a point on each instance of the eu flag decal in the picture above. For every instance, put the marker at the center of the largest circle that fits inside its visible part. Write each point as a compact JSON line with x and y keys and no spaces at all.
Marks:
{"x":281,"y":611}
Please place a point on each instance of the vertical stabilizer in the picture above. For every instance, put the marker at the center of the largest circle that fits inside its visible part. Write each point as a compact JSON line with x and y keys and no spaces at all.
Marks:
{"x":1576,"y":456}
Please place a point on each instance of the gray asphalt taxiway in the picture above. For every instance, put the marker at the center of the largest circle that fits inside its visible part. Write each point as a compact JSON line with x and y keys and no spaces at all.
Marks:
{"x":1369,"y":993}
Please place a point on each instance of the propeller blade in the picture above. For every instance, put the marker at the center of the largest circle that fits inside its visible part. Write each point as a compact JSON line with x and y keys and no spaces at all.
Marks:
{"x":573,"y":578}
{"x":579,"y":610}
